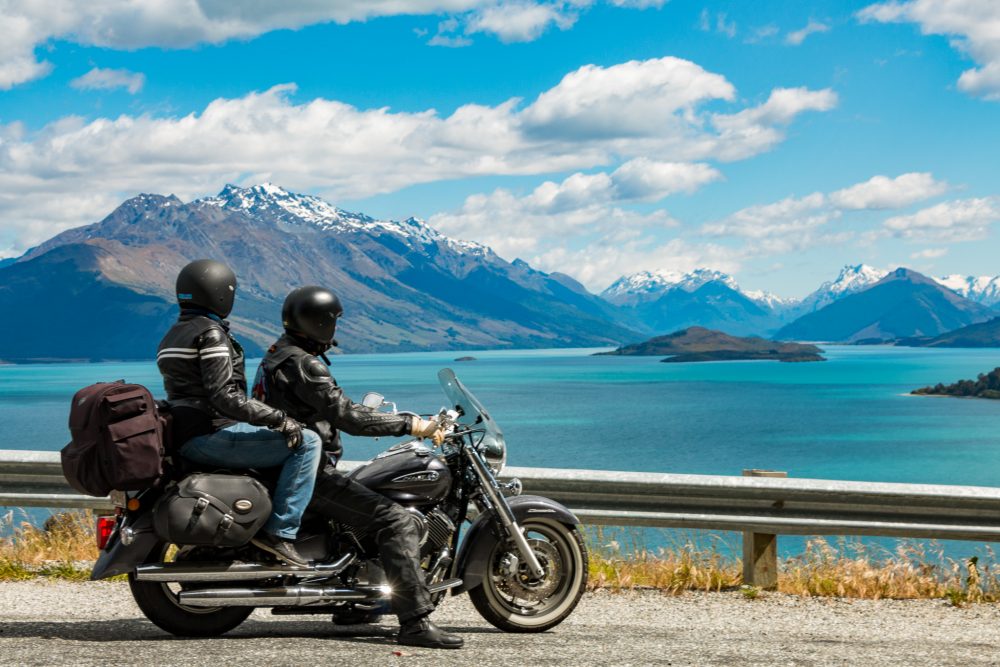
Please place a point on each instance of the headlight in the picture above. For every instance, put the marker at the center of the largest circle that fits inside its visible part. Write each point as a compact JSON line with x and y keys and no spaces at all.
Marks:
{"x":494,"y":451}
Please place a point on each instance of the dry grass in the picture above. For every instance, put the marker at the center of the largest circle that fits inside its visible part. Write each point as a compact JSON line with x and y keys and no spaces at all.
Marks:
{"x":65,"y":546}
{"x":62,"y":547}
{"x":845,"y":568}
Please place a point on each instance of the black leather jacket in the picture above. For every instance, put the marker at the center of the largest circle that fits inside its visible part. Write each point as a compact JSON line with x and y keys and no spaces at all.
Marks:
{"x":297,"y":382}
{"x":205,"y":378}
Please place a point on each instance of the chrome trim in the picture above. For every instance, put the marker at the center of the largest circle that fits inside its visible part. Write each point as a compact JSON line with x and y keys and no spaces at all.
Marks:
{"x":284,"y":596}
{"x":205,"y":572}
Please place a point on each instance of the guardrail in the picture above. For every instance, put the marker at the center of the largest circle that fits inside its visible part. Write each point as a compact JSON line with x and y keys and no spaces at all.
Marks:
{"x":760,"y":506}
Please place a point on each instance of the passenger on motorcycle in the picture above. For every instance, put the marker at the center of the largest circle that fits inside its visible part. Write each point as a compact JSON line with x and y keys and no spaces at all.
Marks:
{"x":293,"y":378}
{"x":214,"y":422}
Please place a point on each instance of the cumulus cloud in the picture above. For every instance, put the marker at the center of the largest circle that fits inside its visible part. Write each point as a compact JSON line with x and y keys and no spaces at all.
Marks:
{"x":950,"y":221}
{"x":127,"y":24}
{"x":799,"y":36}
{"x":882,"y":192}
{"x":520,"y":21}
{"x":972,"y":25}
{"x":580,"y":205}
{"x":594,"y":117}
{"x":799,"y":222}
{"x":109,"y":79}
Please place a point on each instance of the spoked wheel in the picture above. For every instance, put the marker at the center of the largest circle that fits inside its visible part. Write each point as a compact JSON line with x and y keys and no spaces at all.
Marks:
{"x":158,"y":601}
{"x":514,"y":601}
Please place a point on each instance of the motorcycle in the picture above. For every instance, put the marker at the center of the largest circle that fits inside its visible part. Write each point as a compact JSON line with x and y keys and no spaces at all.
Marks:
{"x":522,"y":559}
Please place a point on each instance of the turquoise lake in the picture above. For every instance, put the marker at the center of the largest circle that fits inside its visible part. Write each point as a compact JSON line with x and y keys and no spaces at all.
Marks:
{"x":847,"y":418}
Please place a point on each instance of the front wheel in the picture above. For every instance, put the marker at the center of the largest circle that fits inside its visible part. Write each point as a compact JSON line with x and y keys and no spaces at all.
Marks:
{"x":159,"y":603}
{"x":512,"y":600}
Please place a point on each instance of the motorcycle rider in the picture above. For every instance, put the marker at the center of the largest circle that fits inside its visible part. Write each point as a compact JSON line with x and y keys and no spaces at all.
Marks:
{"x":214,"y":422}
{"x":293,"y":378}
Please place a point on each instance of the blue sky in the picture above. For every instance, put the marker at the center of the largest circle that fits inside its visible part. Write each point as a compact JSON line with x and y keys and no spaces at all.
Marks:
{"x":774,"y":140}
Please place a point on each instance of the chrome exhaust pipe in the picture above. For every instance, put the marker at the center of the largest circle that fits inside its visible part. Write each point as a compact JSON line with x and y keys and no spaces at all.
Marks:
{"x":210,"y":572}
{"x":287,"y":596}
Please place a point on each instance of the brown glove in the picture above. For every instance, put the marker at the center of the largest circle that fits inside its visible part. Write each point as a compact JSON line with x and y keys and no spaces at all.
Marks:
{"x":292,"y":431}
{"x":427,"y":428}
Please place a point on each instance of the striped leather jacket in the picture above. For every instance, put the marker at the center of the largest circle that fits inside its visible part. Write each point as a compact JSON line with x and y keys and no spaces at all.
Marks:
{"x":205,"y":379}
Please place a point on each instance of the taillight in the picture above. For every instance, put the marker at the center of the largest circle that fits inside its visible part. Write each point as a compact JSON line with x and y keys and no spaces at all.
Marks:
{"x":105,"y":526}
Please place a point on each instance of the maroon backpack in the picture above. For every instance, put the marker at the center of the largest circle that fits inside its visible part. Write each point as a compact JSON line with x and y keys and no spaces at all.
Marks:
{"x":118,"y":439}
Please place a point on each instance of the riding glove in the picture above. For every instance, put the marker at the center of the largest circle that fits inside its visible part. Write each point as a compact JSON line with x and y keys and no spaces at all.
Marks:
{"x":292,"y":431}
{"x":427,"y":428}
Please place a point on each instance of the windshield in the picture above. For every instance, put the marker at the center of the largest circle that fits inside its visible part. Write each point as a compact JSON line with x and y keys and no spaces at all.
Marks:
{"x":474,"y":415}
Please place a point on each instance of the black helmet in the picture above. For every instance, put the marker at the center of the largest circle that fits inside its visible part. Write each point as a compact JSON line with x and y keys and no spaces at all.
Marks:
{"x":312,"y":312}
{"x":205,"y":283}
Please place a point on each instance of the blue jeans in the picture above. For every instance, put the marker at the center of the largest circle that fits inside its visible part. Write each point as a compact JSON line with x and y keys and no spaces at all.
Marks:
{"x":246,"y":446}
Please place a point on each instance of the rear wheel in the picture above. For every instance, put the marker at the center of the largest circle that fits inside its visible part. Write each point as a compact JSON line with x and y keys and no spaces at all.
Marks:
{"x":159,"y":603}
{"x":514,"y":601}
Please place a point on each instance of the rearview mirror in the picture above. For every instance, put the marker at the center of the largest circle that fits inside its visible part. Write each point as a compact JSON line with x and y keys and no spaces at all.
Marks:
{"x":373,"y":400}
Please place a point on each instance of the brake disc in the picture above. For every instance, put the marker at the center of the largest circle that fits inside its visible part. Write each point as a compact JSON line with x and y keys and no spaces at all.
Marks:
{"x":516,"y":580}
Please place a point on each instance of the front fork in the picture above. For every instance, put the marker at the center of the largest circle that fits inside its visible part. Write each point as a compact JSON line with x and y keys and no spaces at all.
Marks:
{"x":498,"y":503}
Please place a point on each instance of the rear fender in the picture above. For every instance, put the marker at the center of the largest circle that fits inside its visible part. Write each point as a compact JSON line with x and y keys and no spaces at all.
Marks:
{"x":117,"y":558}
{"x":472,"y":562}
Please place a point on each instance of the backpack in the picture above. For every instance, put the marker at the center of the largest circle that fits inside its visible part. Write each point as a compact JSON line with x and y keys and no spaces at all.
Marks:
{"x":118,"y":441}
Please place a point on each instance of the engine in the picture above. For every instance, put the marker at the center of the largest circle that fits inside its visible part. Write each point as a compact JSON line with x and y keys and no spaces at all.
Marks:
{"x":435,"y":528}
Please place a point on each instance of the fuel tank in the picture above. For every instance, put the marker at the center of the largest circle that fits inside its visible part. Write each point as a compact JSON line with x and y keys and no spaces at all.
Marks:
{"x":409,"y":473}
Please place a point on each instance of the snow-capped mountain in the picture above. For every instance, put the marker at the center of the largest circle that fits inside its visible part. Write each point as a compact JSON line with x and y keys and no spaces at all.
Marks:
{"x":983,"y":289}
{"x":851,"y":280}
{"x":647,"y":286}
{"x":274,"y":202}
{"x":404,"y":285}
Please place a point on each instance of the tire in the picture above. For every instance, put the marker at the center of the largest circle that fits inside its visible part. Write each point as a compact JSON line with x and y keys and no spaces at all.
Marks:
{"x":159,"y":604}
{"x":496,"y":601}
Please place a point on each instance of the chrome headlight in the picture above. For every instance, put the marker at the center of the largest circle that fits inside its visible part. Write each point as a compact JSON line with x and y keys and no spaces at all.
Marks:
{"x":494,"y":451}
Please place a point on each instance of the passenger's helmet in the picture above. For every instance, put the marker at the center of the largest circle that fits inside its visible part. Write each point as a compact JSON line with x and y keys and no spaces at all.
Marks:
{"x":208,"y":284}
{"x":312,"y":312}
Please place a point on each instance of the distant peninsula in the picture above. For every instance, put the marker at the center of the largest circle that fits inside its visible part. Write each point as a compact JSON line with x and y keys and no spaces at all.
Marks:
{"x":987,"y":385}
{"x":700,"y":344}
{"x":983,"y":334}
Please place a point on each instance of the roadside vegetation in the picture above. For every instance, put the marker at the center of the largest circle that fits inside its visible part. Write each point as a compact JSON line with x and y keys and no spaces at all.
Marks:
{"x":65,"y":547}
{"x":842,"y":567}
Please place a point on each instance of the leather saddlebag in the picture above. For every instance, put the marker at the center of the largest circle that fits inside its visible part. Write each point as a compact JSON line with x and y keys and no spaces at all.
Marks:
{"x":211,"y":509}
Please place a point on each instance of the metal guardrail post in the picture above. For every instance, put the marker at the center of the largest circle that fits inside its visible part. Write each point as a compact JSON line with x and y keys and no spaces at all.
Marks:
{"x":760,"y":550}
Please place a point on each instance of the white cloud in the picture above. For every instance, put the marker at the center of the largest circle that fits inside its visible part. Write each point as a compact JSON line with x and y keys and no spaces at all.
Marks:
{"x":520,"y":21}
{"x":793,"y":215}
{"x":720,"y":25}
{"x":799,"y":36}
{"x":972,"y":25}
{"x":882,"y":192}
{"x":930,"y":253}
{"x":596,"y":116}
{"x":109,"y":79}
{"x":950,"y":221}
{"x":579,"y":206}
{"x":172,"y":24}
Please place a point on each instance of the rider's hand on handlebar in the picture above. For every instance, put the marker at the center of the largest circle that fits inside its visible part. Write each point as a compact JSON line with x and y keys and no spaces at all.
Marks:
{"x":427,"y":428}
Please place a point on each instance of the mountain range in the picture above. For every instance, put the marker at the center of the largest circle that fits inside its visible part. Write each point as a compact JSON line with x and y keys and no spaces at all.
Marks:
{"x":105,"y":290}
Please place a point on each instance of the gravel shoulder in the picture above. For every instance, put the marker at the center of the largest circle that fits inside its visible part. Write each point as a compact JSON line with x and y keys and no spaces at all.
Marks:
{"x":46,"y":622}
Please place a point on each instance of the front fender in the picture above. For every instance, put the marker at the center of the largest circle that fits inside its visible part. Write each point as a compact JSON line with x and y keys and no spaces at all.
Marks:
{"x":117,"y":558}
{"x":474,"y":553}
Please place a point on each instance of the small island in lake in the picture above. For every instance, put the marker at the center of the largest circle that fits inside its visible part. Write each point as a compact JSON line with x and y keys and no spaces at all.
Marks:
{"x":466,"y":359}
{"x":987,"y":385}
{"x":700,"y":344}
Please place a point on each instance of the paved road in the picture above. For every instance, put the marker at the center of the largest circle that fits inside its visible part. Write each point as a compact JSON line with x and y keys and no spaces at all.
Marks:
{"x":54,"y":623}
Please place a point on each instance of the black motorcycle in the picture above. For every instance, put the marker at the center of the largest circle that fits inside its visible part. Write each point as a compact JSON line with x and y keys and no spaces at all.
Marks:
{"x":522,"y":559}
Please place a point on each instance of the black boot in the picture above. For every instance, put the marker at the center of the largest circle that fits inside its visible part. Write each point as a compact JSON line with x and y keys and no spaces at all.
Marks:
{"x":421,"y":632}
{"x":283,"y":549}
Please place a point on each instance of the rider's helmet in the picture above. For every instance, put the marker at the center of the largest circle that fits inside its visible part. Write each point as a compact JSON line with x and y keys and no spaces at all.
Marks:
{"x":208,"y":284}
{"x":312,"y":312}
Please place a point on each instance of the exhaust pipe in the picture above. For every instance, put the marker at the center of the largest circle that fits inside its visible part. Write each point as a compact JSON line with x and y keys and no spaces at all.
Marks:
{"x":294,"y":596}
{"x":212,"y":572}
